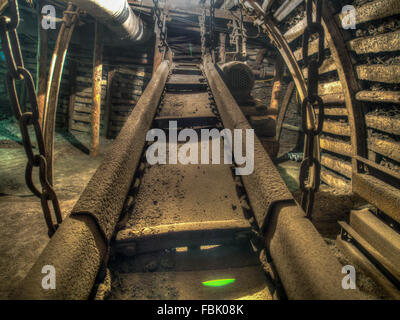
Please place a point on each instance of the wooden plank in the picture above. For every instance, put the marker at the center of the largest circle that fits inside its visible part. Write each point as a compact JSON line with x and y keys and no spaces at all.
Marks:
{"x":334,"y":180}
{"x":383,"y":123}
{"x":334,"y":99}
{"x":286,"y":9}
{"x":379,"y":73}
{"x":337,"y":128}
{"x":84,"y":117}
{"x":97,"y":87}
{"x":384,"y":196}
{"x":379,"y":96}
{"x":373,"y":252}
{"x":336,"y":146}
{"x":387,"y":42}
{"x":375,"y":10}
{"x":386,"y":147}
{"x":329,"y":88}
{"x":296,"y":31}
{"x":336,"y":164}
{"x":336,"y":112}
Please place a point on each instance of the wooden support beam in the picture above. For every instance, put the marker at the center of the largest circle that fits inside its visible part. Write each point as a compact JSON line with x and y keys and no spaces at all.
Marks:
{"x":286,"y":9}
{"x":379,"y":96}
{"x":379,"y":73}
{"x":283,"y":109}
{"x":276,"y":88}
{"x":222,"y":46}
{"x":97,"y":80}
{"x":109,"y":104}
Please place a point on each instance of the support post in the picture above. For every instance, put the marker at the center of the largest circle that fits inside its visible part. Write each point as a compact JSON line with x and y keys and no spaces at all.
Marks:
{"x":283,"y":109}
{"x":41,"y":74}
{"x":276,"y":89}
{"x":222,"y":47}
{"x":97,"y":79}
{"x":54,"y":82}
{"x":107,"y":115}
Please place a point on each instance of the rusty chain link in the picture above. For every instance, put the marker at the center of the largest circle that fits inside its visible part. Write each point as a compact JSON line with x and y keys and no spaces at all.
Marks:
{"x":202,"y":23}
{"x":17,"y":72}
{"x":213,"y":42}
{"x":160,"y":19}
{"x":310,"y":170}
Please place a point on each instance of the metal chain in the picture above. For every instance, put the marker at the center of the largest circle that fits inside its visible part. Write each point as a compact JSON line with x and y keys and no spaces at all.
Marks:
{"x":160,"y":24}
{"x":202,"y":23}
{"x":17,"y":72}
{"x":213,"y":41}
{"x":310,"y":171}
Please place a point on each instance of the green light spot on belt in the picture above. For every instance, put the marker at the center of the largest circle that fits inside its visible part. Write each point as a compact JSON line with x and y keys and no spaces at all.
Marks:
{"x":218,"y":283}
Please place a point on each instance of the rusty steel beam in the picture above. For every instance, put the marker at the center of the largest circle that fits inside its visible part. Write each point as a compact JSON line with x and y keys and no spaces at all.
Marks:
{"x":305,"y":264}
{"x":82,"y":240}
{"x":54,"y":82}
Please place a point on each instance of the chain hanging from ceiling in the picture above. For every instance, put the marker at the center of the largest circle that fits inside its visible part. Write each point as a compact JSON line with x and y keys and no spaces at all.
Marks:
{"x":213,"y":40}
{"x":18,"y":72}
{"x":310,"y":170}
{"x":238,"y":37}
{"x":202,"y":23}
{"x":161,"y":24}
{"x":208,"y":37}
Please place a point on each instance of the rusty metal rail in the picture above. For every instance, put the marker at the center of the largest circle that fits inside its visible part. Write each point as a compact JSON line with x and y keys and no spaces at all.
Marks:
{"x":306,"y":267}
{"x":80,"y":247}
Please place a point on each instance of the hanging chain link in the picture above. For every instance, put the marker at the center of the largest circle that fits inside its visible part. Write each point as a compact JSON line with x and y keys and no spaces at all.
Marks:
{"x":213,"y":42}
{"x":160,"y":20}
{"x":310,"y":171}
{"x":202,"y":23}
{"x":18,"y":72}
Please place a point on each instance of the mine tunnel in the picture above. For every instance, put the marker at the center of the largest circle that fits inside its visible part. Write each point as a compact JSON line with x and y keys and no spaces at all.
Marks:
{"x":200,"y":149}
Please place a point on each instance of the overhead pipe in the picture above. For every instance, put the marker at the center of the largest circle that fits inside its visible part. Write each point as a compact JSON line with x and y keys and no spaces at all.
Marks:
{"x":118,"y":16}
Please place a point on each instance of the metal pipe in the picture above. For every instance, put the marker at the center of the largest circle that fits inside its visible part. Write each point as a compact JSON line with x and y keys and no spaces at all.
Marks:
{"x":118,"y":16}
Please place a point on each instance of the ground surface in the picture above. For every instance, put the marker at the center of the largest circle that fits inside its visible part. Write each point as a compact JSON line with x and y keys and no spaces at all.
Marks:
{"x":23,"y":230}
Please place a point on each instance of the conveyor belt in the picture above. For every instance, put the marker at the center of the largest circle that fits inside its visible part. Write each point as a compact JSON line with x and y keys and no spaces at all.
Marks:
{"x":187,"y":225}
